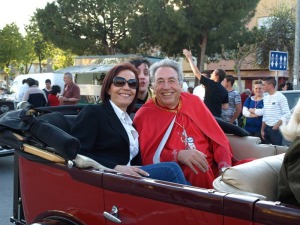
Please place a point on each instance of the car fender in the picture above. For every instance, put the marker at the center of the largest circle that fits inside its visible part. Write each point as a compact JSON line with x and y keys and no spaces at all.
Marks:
{"x":54,"y":217}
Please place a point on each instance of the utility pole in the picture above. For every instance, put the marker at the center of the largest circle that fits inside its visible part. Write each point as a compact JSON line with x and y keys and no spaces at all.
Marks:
{"x":296,"y":50}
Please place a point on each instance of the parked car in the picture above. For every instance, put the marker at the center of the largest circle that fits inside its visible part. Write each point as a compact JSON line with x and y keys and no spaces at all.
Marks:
{"x":5,"y":106}
{"x":56,"y":185}
{"x":292,"y":97}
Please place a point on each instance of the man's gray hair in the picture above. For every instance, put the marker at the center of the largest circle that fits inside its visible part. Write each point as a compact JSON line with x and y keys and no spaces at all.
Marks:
{"x":166,"y":63}
{"x":69,"y":74}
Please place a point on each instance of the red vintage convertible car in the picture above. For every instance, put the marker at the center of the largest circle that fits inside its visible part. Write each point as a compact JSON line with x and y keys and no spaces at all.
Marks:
{"x":55,"y":185}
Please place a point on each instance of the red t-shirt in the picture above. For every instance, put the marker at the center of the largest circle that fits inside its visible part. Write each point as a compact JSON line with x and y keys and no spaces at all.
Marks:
{"x":53,"y":100}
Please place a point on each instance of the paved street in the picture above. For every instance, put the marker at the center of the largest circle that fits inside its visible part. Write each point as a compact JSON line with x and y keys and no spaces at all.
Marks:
{"x":6,"y":189}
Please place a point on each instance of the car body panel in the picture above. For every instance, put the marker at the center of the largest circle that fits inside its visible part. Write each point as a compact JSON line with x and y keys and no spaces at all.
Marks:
{"x":84,"y":195}
{"x":52,"y":187}
{"x":52,"y":192}
{"x":268,"y":212}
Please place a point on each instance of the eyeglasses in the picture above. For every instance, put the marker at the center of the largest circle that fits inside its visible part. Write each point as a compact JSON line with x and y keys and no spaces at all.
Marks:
{"x":120,"y":82}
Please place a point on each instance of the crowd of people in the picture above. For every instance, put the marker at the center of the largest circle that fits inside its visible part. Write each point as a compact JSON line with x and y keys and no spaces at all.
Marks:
{"x":51,"y":95}
{"x":259,"y":115}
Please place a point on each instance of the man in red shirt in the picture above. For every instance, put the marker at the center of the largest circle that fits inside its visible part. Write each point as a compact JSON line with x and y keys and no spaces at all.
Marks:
{"x":177,"y":126}
{"x":71,"y":94}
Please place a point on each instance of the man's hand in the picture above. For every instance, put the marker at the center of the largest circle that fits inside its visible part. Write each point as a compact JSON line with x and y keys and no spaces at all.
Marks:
{"x":131,"y":170}
{"x":187,"y":53}
{"x":277,"y":125}
{"x":62,"y":99}
{"x":193,"y":157}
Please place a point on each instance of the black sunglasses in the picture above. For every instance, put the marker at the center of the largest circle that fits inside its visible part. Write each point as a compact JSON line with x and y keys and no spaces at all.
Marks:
{"x":120,"y":82}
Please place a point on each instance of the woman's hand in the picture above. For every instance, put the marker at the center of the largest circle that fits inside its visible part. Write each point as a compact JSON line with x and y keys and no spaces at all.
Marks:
{"x":131,"y":170}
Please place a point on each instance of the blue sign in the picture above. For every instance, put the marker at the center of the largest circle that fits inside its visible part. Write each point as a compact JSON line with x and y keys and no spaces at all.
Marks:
{"x":278,"y":61}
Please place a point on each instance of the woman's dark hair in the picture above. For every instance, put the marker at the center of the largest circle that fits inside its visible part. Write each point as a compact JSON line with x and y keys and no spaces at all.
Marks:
{"x":31,"y":82}
{"x":281,"y":86}
{"x":108,"y":80}
{"x":290,"y":86}
{"x":55,"y":89}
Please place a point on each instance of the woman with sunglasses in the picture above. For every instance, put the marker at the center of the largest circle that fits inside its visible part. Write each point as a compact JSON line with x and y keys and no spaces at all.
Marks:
{"x":106,"y":132}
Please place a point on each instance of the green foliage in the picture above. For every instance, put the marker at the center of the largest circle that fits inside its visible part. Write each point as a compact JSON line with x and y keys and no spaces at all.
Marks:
{"x":129,"y":26}
{"x":277,"y":34}
{"x":42,"y":49}
{"x":11,"y":46}
{"x":195,"y":24}
{"x":62,"y":59}
{"x":86,"y":26}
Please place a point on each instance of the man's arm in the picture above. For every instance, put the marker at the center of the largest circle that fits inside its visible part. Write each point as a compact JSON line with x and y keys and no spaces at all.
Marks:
{"x":26,"y":96}
{"x":225,"y":105}
{"x":188,"y":55}
{"x":238,"y":110}
{"x":262,"y":131}
{"x":238,"y":107}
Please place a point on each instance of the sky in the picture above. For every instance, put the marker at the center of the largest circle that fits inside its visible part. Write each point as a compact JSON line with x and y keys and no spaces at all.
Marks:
{"x":19,"y":11}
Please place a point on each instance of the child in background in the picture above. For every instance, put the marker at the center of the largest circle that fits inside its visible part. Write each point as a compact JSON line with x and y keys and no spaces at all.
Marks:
{"x":53,"y":96}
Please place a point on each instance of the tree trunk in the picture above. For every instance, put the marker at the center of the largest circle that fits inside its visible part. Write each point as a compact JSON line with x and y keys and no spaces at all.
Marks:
{"x":201,"y":56}
{"x":40,"y":64}
{"x":238,"y":72}
{"x":203,"y":46}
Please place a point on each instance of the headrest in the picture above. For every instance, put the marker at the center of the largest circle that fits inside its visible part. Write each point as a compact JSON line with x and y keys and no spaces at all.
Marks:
{"x":258,"y":178}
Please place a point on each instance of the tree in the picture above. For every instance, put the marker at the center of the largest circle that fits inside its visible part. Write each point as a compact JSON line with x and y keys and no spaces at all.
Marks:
{"x":241,"y":49}
{"x":201,"y":25}
{"x":86,"y":26}
{"x":277,"y":34}
{"x":62,"y":59}
{"x":28,"y":56}
{"x":41,"y":48}
{"x":11,"y":46}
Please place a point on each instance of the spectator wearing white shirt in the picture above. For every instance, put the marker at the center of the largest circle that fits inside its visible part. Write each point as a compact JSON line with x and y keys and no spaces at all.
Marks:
{"x":24,"y":87}
{"x":276,"y":112}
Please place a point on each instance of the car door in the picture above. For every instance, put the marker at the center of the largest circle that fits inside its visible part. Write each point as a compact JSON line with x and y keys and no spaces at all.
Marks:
{"x":130,"y":200}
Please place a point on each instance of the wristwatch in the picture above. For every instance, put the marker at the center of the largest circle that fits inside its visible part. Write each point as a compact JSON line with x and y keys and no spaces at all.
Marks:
{"x":223,"y":169}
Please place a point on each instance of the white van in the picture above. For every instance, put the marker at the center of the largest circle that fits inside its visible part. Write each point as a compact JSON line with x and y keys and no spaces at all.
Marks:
{"x":56,"y":79}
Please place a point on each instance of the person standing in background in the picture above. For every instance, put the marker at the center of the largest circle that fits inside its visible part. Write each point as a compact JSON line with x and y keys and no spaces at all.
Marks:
{"x":276,"y":113}
{"x":24,"y":87}
{"x":216,"y":96}
{"x":71,"y":94}
{"x":282,"y":87}
{"x":47,"y":88}
{"x":231,"y":114}
{"x":289,"y":86}
{"x":53,"y":96}
{"x":246,"y":94}
{"x":253,"y":110}
{"x":34,"y":95}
